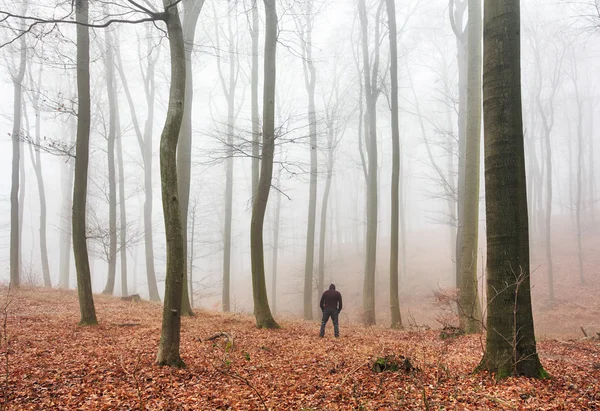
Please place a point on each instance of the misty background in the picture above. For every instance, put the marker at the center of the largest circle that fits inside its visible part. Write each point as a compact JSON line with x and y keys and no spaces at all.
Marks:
{"x":560,"y":61}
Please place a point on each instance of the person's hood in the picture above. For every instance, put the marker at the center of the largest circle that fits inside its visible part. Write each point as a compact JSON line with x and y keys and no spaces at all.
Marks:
{"x":332,"y":287}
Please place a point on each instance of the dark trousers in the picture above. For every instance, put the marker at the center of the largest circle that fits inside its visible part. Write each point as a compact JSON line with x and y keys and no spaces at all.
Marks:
{"x":334,"y":318}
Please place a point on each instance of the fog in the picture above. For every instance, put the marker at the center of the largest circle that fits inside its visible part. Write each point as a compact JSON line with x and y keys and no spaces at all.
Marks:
{"x":560,"y":59}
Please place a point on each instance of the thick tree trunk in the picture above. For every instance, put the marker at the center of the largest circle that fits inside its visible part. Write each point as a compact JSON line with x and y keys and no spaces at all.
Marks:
{"x":112,"y":177}
{"x":510,"y":344}
{"x":395,"y":203}
{"x":145,"y":144}
{"x":264,"y":318}
{"x":168,"y":350}
{"x":470,"y":310}
{"x":192,"y":10}
{"x":82,"y":263}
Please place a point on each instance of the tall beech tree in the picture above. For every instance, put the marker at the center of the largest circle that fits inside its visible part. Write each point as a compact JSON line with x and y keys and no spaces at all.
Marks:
{"x":17,"y":75}
{"x":144,"y":139}
{"x":510,"y":347}
{"x":82,"y":262}
{"x":304,"y":25}
{"x":168,"y":350}
{"x":469,"y":307}
{"x":395,"y":189}
{"x":262,"y":312}
{"x":370,"y":71}
{"x":192,"y":9}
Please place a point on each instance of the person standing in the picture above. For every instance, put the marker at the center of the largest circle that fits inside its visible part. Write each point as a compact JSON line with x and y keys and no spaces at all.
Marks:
{"x":331,"y":305}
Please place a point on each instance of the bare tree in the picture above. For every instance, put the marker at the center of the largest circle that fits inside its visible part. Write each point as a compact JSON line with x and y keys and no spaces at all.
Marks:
{"x":168,"y":350}
{"x":395,"y":194}
{"x":145,"y":143}
{"x":370,"y":72}
{"x":82,"y":263}
{"x":36,"y":161}
{"x":545,"y":107}
{"x":192,"y":10}
{"x":304,"y":26}
{"x":470,"y":310}
{"x":17,"y":73}
{"x":112,"y":176}
{"x":510,"y":348}
{"x":262,"y":312}
{"x":229,"y":89}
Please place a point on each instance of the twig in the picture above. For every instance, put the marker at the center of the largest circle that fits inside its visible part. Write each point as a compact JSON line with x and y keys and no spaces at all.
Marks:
{"x":583,"y":331}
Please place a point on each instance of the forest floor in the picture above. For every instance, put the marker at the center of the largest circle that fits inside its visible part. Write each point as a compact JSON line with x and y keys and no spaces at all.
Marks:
{"x":54,"y":364}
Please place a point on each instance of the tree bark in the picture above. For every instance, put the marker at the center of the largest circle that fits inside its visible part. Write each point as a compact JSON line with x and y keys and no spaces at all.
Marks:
{"x":456,"y":20}
{"x":15,"y":241}
{"x":470,"y":310}
{"x":66,"y":188}
{"x":112,"y":177}
{"x":192,"y":10}
{"x":371,"y":94}
{"x":168,"y":350}
{"x":578,"y":178}
{"x":275,"y":246}
{"x":395,"y":189}
{"x":122,"y":208}
{"x":254,"y":91}
{"x":264,"y":318}
{"x":82,"y":263}
{"x":229,"y":91}
{"x":36,"y":161}
{"x":310,"y":78}
{"x":510,"y":344}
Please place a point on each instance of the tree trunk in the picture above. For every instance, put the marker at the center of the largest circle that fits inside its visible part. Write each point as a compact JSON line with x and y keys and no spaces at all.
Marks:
{"x":168,"y":350}
{"x":371,"y":94}
{"x":66,"y":188}
{"x":470,"y":310}
{"x":36,"y":161}
{"x":192,"y":10}
{"x":395,"y":206}
{"x":456,"y":20}
{"x":510,"y":348}
{"x":145,"y":144}
{"x":310,"y":78}
{"x":15,"y":241}
{"x":229,"y":91}
{"x":324,"y":204}
{"x":264,"y":318}
{"x":578,"y":197}
{"x":82,"y":263}
{"x":122,"y":208}
{"x":275,"y":247}
{"x":254,"y":91}
{"x":112,"y":178}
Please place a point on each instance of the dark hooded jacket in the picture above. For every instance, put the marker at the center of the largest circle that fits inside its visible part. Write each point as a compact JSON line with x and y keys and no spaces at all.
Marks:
{"x":331,"y":299}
